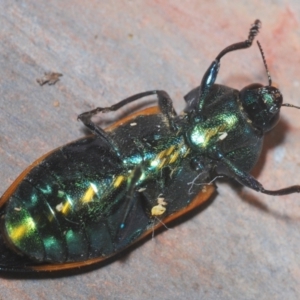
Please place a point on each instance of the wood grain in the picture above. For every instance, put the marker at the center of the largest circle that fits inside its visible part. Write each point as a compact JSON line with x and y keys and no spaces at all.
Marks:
{"x":244,"y":245}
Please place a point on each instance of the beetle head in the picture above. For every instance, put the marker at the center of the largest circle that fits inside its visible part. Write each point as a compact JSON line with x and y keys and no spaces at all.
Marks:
{"x":262,"y":105}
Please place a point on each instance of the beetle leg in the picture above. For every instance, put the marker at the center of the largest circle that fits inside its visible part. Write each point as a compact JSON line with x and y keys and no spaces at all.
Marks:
{"x":164,"y":101}
{"x":86,"y":119}
{"x":166,"y":106}
{"x":210,"y":75}
{"x":248,"y":180}
{"x":132,"y":181}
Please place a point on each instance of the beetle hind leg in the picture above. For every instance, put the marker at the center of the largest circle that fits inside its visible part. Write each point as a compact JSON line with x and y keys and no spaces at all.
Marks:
{"x":164,"y":101}
{"x":86,"y":119}
{"x":247,"y":180}
{"x":285,"y":191}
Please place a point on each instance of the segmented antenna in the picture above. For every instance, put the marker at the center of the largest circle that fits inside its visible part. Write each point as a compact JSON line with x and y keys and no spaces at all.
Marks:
{"x":254,"y":30}
{"x":290,"y":105}
{"x":269,"y":76}
{"x":265,"y":63}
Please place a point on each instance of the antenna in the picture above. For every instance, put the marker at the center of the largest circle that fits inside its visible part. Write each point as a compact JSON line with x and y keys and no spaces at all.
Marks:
{"x":290,"y":105}
{"x":269,"y":76}
{"x":265,"y":63}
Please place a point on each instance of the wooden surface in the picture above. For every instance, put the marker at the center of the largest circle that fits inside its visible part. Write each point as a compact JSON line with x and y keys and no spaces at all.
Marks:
{"x":244,"y":245}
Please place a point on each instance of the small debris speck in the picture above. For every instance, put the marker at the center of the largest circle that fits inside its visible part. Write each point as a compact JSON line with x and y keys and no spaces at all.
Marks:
{"x":49,"y":77}
{"x":56,"y":103}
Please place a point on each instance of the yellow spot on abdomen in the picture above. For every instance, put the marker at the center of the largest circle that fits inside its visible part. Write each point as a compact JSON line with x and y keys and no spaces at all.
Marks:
{"x":66,"y":208}
{"x":118,"y":181}
{"x":88,"y":195}
{"x":18,"y":232}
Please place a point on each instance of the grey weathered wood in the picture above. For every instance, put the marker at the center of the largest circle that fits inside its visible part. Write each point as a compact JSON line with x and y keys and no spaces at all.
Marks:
{"x":244,"y":245}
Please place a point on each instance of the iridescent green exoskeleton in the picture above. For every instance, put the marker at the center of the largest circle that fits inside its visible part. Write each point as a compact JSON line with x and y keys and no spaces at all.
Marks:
{"x":88,"y":200}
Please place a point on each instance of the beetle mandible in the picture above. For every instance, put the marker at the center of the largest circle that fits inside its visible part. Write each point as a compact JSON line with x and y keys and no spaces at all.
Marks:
{"x":92,"y":198}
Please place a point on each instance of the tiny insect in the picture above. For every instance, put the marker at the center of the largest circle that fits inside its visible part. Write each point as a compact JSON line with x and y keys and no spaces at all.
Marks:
{"x":88,"y":200}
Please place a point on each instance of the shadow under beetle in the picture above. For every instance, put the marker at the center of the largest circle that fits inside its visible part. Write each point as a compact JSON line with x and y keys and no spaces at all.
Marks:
{"x":92,"y":198}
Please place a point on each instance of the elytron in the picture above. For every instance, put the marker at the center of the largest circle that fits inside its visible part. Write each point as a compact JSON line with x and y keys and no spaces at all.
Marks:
{"x":92,"y":198}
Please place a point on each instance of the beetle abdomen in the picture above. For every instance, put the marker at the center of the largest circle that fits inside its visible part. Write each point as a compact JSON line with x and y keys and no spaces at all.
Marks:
{"x":62,"y":216}
{"x":46,"y":234}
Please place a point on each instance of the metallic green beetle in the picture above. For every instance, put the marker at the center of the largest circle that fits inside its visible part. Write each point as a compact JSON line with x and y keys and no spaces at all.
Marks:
{"x":92,"y":198}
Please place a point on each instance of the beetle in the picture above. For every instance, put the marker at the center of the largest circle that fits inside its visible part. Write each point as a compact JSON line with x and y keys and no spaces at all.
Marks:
{"x":88,"y":200}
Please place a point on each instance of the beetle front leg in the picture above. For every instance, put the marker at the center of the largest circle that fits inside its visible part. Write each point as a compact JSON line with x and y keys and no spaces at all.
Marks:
{"x":210,"y":75}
